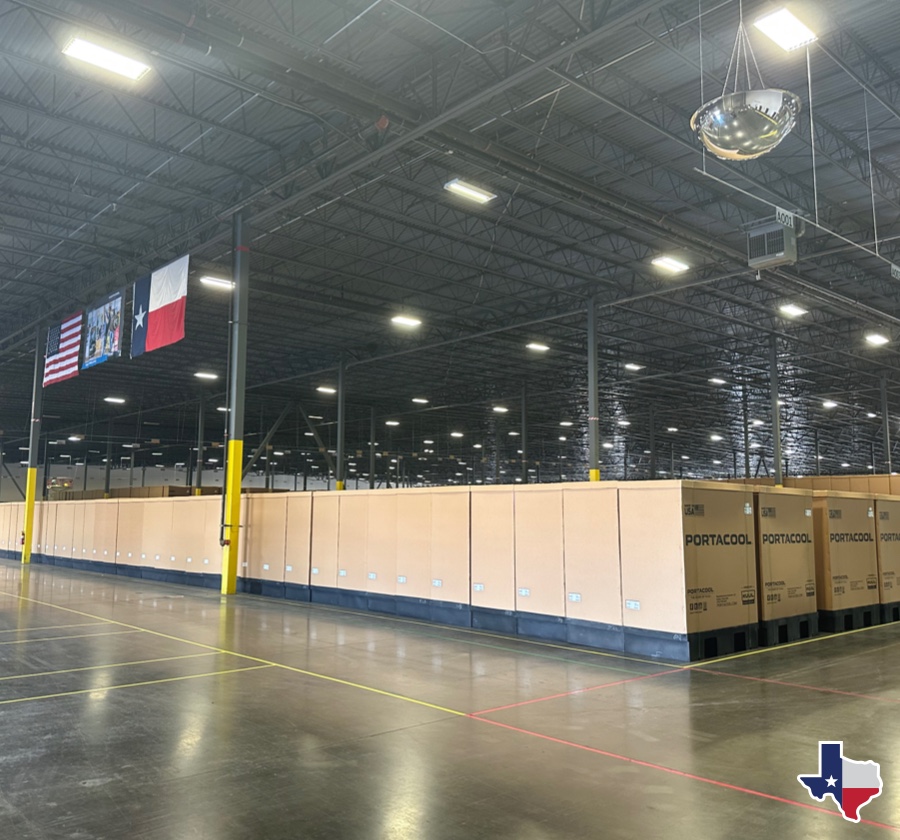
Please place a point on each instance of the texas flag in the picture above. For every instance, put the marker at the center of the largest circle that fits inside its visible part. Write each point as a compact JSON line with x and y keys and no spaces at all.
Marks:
{"x":851,"y":784}
{"x":159,"y":301}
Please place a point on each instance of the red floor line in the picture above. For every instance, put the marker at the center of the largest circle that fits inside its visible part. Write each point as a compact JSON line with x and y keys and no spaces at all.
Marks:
{"x":800,"y":685}
{"x":577,"y":691}
{"x":672,"y":771}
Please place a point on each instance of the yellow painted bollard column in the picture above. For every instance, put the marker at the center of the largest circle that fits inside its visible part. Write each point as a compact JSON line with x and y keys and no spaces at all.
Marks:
{"x":34,"y":438}
{"x":232,"y":532}
{"x":237,"y":374}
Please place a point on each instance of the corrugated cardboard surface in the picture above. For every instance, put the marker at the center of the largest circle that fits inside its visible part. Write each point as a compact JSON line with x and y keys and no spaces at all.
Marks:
{"x":414,"y":545}
{"x":540,"y":576}
{"x":381,"y":548}
{"x":493,"y":548}
{"x":786,"y":557}
{"x":131,"y":530}
{"x":353,"y":534}
{"x":450,"y":579}
{"x":652,"y":556}
{"x":297,"y":538}
{"x":324,"y":541}
{"x":719,"y":558}
{"x":887,"y":525}
{"x":265,"y":534}
{"x":846,"y":554}
{"x":591,"y":532}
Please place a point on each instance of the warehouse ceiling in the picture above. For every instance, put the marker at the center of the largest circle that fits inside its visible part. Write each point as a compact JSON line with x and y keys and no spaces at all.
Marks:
{"x":333,"y":126}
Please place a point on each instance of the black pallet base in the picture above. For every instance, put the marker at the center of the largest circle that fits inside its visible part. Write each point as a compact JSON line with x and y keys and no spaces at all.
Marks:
{"x":855,"y":618}
{"x":780,"y":631}
{"x":890,"y":612}
{"x":712,"y":643}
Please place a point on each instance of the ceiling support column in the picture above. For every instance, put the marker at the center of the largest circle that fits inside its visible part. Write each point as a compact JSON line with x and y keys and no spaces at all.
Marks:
{"x":593,"y":394}
{"x":776,"y":411}
{"x":886,"y":420}
{"x":236,"y":393}
{"x":37,"y":399}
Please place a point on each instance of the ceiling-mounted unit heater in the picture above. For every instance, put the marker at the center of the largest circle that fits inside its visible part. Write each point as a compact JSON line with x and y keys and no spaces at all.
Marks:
{"x":771,"y":243}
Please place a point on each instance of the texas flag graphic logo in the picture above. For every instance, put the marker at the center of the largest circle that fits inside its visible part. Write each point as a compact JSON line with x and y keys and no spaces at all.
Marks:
{"x":851,"y":784}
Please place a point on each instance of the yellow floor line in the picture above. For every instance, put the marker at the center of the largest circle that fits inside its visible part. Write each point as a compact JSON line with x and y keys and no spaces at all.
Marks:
{"x":55,"y":627}
{"x":101,"y":667}
{"x":63,"y":638}
{"x":264,"y":662}
{"x":706,"y":662}
{"x":129,"y":685}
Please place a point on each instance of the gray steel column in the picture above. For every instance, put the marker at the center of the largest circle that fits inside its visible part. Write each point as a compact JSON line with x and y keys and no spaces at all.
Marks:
{"x":85,"y":477}
{"x":201,"y":434}
{"x":372,"y":449}
{"x":339,"y":456}
{"x":236,"y":394}
{"x":652,"y":444}
{"x":594,"y":395}
{"x":745,"y":414}
{"x":524,"y":434}
{"x":776,"y":410}
{"x":108,"y":460}
{"x":34,"y":437}
{"x":886,"y":421}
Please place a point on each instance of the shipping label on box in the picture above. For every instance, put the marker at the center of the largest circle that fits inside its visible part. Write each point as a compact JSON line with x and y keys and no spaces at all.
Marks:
{"x":719,"y":559}
{"x":785,"y":555}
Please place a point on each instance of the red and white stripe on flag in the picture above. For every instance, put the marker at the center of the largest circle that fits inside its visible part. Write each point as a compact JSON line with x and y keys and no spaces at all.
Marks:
{"x":63,"y":346}
{"x":168,"y":295}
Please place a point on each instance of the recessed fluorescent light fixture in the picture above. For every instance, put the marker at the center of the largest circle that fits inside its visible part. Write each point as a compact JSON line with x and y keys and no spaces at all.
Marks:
{"x":633,"y":366}
{"x":501,"y":409}
{"x":792,"y":310}
{"x":877,"y":339}
{"x":391,"y":422}
{"x":462,"y":188}
{"x":325,"y":389}
{"x":114,"y":400}
{"x":715,"y":380}
{"x":217,"y":283}
{"x":670,"y":264}
{"x":420,"y":400}
{"x":106,"y":59}
{"x":785,"y":30}
{"x":829,"y":404}
{"x":406,"y":321}
{"x":201,"y":374}
{"x":535,"y":345}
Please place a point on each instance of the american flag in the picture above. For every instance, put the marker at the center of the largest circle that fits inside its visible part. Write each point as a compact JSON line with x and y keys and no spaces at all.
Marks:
{"x":63,"y":344}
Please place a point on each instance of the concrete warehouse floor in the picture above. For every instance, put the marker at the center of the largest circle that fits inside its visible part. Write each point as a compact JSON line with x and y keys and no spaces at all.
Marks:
{"x":152,"y":712}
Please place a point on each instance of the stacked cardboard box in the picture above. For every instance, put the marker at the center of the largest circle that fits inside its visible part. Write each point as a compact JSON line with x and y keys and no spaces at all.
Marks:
{"x":846,"y":560}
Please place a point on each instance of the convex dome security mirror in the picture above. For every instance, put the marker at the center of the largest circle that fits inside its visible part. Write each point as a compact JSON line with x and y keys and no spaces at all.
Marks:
{"x":746,"y":124}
